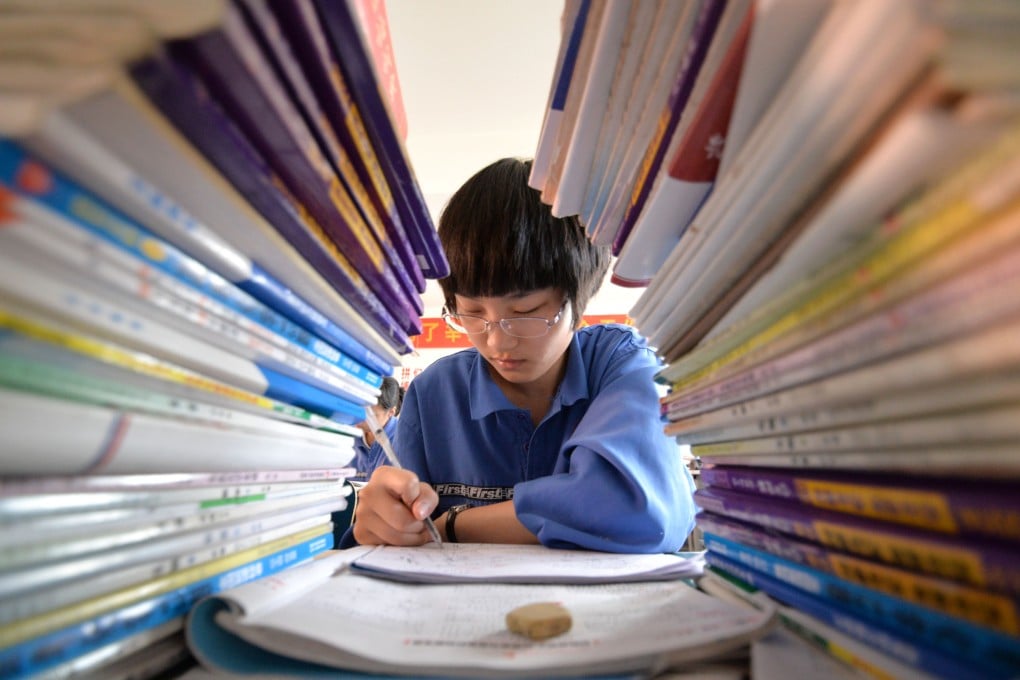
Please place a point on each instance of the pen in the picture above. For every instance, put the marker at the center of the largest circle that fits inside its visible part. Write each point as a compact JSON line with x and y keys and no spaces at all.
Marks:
{"x":391,"y":456}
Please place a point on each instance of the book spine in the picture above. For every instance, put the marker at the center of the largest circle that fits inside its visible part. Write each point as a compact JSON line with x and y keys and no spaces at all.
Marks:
{"x":36,"y":653}
{"x":697,"y":48}
{"x":384,"y":222}
{"x":900,"y":647}
{"x":980,"y":607}
{"x":234,"y":69}
{"x":988,"y":425}
{"x":922,"y":226}
{"x":983,"y":647}
{"x":61,"y":341}
{"x":183,"y":98}
{"x":44,"y":594}
{"x":144,"y":292}
{"x":65,"y":140}
{"x":977,"y":562}
{"x":81,"y":211}
{"x":965,"y":303}
{"x":971,"y":358}
{"x":943,"y":506}
{"x":345,"y":38}
{"x":123,"y":442}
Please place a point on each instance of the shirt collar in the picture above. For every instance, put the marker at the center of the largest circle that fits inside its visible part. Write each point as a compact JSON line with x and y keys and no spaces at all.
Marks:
{"x":487,"y":398}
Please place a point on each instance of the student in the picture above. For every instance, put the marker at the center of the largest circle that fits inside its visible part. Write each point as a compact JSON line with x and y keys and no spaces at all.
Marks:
{"x":544,"y":432}
{"x":368,"y":454}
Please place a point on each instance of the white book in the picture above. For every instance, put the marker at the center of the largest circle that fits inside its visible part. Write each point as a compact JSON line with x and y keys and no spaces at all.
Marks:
{"x":781,"y":165}
{"x":48,"y":236}
{"x":641,"y":119}
{"x":116,"y":144}
{"x":95,"y":439}
{"x":580,"y":150}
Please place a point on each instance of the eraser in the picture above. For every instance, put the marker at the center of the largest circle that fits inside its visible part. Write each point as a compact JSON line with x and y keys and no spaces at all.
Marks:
{"x":539,"y":621}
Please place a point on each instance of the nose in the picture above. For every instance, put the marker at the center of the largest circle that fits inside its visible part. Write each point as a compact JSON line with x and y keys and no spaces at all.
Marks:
{"x":498,"y":339}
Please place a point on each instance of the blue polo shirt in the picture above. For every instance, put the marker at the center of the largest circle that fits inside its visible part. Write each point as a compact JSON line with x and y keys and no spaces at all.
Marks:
{"x":596,"y":473}
{"x":368,"y":458}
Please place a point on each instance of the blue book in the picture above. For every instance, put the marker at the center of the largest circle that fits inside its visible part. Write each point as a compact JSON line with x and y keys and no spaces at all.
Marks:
{"x":183,"y":99}
{"x":93,"y":215}
{"x":994,"y":652}
{"x":899,"y":647}
{"x":286,"y":389}
{"x":40,"y":653}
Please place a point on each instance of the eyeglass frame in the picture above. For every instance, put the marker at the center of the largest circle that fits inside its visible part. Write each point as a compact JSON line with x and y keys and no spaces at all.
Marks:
{"x":446,"y":314}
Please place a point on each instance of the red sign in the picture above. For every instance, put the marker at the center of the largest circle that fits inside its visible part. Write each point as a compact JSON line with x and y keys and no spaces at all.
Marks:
{"x":435,"y":334}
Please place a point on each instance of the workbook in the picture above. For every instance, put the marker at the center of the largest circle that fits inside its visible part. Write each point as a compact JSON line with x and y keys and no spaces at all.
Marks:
{"x":326,"y":614}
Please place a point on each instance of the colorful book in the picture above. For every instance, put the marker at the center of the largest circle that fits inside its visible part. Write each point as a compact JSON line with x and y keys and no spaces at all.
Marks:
{"x":690,"y":175}
{"x":118,"y":145}
{"x":80,"y":211}
{"x":268,"y":33}
{"x":182,"y":98}
{"x":300,"y":24}
{"x":986,"y":649}
{"x":575,"y":14}
{"x":347,"y":41}
{"x":934,"y":660}
{"x":951,"y":506}
{"x":91,"y":627}
{"x":701,"y":38}
{"x":235,"y":72}
{"x":975,"y":561}
{"x":981,"y":607}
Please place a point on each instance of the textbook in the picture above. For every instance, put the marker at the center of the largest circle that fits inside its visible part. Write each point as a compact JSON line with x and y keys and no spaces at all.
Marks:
{"x":324,"y":615}
{"x":990,"y":651}
{"x":947,"y":505}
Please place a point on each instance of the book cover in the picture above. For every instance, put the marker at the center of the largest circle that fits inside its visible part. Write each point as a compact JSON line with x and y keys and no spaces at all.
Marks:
{"x":185,"y":101}
{"x":236,"y":74}
{"x":697,"y":48}
{"x":991,"y":651}
{"x":975,"y":561}
{"x":38,"y":651}
{"x":691,"y":173}
{"x":343,"y":33}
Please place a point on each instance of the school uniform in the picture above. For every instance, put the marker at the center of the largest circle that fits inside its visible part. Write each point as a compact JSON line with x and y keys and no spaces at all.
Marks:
{"x":596,"y":473}
{"x":368,"y":458}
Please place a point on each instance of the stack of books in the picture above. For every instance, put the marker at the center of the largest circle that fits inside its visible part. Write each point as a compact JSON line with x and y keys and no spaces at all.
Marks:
{"x":826,"y":213}
{"x":213,"y":249}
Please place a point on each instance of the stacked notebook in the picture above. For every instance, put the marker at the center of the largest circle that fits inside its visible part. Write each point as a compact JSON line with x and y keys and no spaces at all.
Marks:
{"x":825,"y":213}
{"x":213,"y":249}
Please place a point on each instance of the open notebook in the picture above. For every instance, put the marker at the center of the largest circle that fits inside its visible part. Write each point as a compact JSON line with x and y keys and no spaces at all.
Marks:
{"x":328,"y":615}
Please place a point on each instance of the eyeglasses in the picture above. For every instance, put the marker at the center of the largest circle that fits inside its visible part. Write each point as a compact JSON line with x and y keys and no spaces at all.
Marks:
{"x":518,"y":327}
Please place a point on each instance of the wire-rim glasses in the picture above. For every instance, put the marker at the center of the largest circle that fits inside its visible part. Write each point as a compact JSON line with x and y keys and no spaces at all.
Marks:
{"x":517,"y":326}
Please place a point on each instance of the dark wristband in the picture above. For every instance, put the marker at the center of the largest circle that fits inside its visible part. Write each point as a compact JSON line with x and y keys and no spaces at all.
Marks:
{"x":451,"y":518}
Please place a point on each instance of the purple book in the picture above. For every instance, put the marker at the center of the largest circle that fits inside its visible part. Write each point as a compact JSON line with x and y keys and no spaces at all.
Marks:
{"x":347,"y":42}
{"x":697,"y":48}
{"x":952,"y":506}
{"x":184,"y":101}
{"x":993,"y":610}
{"x":230,"y":63}
{"x":300,"y":24}
{"x":979,"y":562}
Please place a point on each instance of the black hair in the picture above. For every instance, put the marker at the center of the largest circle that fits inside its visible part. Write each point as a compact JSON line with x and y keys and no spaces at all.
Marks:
{"x":500,"y":239}
{"x":391,"y":394}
